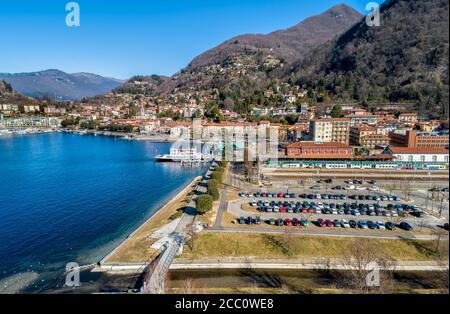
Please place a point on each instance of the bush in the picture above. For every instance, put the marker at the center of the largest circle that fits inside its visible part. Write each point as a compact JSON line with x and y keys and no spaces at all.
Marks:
{"x":204,"y":204}
{"x":213,"y":189}
{"x":176,"y":215}
{"x":217,"y":175}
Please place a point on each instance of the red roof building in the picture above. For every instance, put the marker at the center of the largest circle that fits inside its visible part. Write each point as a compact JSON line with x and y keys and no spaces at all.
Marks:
{"x":312,"y":150}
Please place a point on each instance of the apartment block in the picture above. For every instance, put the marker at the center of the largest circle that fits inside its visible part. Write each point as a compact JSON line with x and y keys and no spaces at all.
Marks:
{"x":330,"y":130}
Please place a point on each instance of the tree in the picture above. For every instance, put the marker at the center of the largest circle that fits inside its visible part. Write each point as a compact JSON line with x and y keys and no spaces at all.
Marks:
{"x":361,"y":257}
{"x":217,"y":175}
{"x":213,"y":189}
{"x":204,"y":204}
{"x":337,"y":112}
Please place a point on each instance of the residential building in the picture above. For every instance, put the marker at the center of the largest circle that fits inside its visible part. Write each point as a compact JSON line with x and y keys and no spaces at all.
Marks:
{"x":330,"y":130}
{"x":359,"y":132}
{"x":371,"y":141}
{"x":408,"y":117}
{"x":357,"y":119}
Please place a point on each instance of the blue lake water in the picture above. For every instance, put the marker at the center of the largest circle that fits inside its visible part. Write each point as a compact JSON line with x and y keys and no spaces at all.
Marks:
{"x":70,"y":198}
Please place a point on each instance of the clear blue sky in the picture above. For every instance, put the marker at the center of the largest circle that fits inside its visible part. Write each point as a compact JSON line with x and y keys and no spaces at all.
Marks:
{"x":125,"y":38}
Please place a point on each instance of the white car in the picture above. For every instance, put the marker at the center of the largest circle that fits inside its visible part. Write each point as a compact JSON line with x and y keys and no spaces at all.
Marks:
{"x":356,"y":213}
{"x":394,"y":213}
{"x":345,"y":224}
{"x":381,"y":225}
{"x":350,"y":187}
{"x":254,"y":204}
{"x":360,"y":188}
{"x":374,"y":188}
{"x":320,"y":205}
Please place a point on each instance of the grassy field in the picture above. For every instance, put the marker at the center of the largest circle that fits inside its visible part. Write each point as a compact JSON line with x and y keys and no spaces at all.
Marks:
{"x":138,"y":247}
{"x":290,"y":246}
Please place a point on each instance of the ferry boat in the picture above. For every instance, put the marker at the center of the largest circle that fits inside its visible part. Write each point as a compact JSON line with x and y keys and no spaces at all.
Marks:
{"x":182,"y":155}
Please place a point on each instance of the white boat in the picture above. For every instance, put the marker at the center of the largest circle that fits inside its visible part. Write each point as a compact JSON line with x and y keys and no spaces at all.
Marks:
{"x":183,"y":154}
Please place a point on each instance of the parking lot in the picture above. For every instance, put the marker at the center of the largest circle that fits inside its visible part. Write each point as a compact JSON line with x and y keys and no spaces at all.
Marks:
{"x":348,"y":207}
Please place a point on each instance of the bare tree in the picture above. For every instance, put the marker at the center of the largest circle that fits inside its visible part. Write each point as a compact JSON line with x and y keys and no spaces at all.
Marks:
{"x":188,"y":286}
{"x":364,"y":266}
{"x":191,"y":235}
{"x":442,"y":259}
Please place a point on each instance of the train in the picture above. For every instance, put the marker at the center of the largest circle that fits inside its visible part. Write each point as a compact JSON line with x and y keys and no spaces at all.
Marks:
{"x":363,"y":165}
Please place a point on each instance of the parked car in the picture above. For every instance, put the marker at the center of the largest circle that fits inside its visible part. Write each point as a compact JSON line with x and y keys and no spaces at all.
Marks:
{"x":406,"y":226}
{"x":418,"y":214}
{"x":288,"y":222}
{"x":304,"y":222}
{"x":316,"y":187}
{"x":337,"y":223}
{"x":353,"y":224}
{"x":390,"y":226}
{"x":372,"y":225}
{"x":345,"y":224}
{"x":329,"y":223}
{"x":321,"y":222}
{"x":380,"y":225}
{"x":242,"y":220}
{"x":362,"y":224}
{"x":272,"y":222}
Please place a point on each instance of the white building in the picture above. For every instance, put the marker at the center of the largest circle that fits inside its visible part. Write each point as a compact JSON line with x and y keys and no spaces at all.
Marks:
{"x":427,"y":155}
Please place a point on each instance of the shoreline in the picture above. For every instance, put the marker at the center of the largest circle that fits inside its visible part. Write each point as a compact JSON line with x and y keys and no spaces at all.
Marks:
{"x":104,"y":261}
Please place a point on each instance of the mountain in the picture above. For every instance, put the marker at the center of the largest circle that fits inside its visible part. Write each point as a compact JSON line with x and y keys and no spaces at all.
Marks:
{"x":247,"y":63}
{"x":288,"y":45}
{"x":59,"y":85}
{"x":8,"y":96}
{"x":405,"y":59}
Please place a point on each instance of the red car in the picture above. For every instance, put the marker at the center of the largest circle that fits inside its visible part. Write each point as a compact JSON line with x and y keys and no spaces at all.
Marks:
{"x":296,"y":222}
{"x":288,"y":222}
{"x":304,"y":210}
{"x":321,"y":222}
{"x":329,"y":223}
{"x":281,"y":195}
{"x":283,"y":210}
{"x":311,"y":211}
